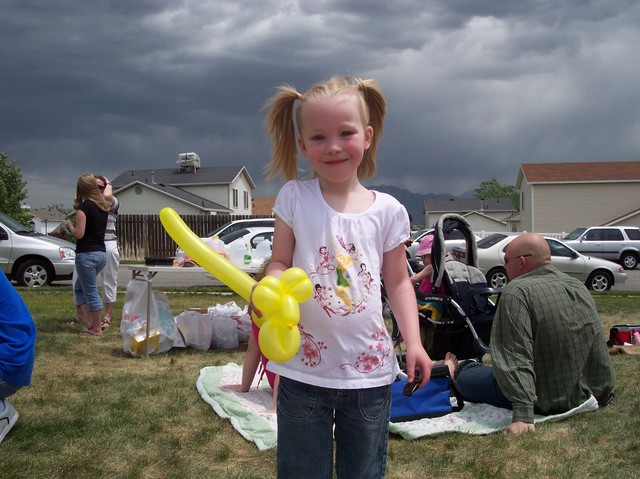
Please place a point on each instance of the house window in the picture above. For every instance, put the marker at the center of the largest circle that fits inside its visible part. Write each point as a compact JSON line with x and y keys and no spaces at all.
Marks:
{"x":246,"y":200}
{"x":235,"y":198}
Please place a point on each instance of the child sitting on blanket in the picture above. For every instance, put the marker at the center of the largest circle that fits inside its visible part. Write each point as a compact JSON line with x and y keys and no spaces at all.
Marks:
{"x":255,"y":358}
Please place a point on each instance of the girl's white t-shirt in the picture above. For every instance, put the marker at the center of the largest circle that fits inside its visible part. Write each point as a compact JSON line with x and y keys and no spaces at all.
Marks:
{"x":344,"y":343}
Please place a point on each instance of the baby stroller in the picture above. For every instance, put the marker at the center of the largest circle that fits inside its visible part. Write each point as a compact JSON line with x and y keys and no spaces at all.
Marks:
{"x":457,"y":316}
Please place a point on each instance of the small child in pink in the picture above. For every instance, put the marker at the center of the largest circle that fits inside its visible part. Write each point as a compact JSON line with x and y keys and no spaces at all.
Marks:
{"x":423,"y":278}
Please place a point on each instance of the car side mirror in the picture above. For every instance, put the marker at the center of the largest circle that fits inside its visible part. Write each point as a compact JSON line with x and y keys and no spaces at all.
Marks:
{"x":574,"y":255}
{"x":3,"y":235}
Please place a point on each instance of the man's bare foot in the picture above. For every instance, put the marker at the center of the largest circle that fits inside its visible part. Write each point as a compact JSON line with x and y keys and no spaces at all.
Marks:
{"x":451,"y":361}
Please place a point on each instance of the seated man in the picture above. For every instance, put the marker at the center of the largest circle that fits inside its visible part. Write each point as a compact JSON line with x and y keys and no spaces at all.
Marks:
{"x":17,"y":340}
{"x":547,"y":346}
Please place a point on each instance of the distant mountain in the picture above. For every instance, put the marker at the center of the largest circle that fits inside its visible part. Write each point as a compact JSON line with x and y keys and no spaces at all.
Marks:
{"x":413,"y":202}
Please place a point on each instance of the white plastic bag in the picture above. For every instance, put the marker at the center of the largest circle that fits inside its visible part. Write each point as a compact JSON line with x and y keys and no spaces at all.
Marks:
{"x":225,"y":333}
{"x":228,"y":309}
{"x":225,"y":318}
{"x":244,"y":327}
{"x":196,"y":329}
{"x":133,"y":327}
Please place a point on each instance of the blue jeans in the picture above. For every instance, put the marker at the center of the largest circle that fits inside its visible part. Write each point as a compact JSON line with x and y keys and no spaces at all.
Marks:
{"x":306,"y":418}
{"x":7,"y":389}
{"x":85,"y":289}
{"x":476,"y":383}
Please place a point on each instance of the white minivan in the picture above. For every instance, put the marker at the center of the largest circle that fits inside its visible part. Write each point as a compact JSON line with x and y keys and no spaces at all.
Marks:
{"x":31,"y":258}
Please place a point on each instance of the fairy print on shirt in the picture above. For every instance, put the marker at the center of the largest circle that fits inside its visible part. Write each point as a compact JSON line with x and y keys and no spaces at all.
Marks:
{"x":342,"y":283}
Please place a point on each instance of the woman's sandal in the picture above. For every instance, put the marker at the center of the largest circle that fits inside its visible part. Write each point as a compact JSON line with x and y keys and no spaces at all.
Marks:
{"x":105,"y":323}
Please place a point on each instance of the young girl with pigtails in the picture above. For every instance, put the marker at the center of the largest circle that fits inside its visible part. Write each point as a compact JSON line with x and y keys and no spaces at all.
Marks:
{"x":339,"y":383}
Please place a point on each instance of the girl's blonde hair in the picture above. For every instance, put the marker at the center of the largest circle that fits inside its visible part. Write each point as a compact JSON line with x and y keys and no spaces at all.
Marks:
{"x":87,"y":189}
{"x":282,"y":128}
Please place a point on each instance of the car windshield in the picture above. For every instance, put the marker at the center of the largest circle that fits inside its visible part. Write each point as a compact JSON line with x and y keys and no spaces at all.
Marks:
{"x":575,"y":234}
{"x":13,"y":225}
{"x":217,"y":230}
{"x":234,"y":235}
{"x":417,"y":234}
{"x":559,"y":249}
{"x":490,"y":240}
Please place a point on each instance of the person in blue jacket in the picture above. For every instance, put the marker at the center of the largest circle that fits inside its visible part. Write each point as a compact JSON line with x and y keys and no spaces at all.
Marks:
{"x":17,"y":351}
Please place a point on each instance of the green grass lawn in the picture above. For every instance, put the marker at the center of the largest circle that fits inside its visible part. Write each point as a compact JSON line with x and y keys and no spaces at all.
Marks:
{"x":94,"y":412}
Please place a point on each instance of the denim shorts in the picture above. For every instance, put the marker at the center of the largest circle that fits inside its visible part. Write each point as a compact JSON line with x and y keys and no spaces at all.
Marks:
{"x":309,"y":417}
{"x":85,"y":289}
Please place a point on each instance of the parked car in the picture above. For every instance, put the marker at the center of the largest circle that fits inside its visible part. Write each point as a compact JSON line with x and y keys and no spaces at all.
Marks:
{"x":615,"y":243}
{"x":235,"y":225}
{"x":597,"y":274}
{"x":31,"y":258}
{"x":456,"y":239}
{"x":232,"y":226}
{"x":252,"y":235}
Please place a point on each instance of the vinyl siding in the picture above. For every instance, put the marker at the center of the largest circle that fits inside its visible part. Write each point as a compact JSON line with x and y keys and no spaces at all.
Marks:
{"x":216,"y":193}
{"x":563,"y":207}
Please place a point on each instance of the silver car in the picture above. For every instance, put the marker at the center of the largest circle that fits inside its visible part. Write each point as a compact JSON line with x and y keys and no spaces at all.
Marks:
{"x":456,"y":239}
{"x":31,"y":258}
{"x":596,"y":273}
{"x":615,"y":243}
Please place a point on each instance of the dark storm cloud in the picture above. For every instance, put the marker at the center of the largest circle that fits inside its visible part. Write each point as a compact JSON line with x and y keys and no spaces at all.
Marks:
{"x":474,"y":88}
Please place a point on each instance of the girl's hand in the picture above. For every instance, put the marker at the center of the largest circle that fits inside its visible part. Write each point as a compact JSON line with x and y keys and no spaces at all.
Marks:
{"x":417,"y":358}
{"x":236,"y":387}
{"x":252,"y":308}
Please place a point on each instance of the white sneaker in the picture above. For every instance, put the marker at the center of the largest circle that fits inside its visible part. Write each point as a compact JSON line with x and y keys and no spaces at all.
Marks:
{"x":8,"y":418}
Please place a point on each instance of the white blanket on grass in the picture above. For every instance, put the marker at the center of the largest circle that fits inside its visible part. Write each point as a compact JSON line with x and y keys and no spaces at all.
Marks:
{"x":247,"y":411}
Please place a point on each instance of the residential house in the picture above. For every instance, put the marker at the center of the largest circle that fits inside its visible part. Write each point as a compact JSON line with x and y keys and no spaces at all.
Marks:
{"x":559,"y":197}
{"x":494,"y":214}
{"x":45,"y":220}
{"x":188,"y":189}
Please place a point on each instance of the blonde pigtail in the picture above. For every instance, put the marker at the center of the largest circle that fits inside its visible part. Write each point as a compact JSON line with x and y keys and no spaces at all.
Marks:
{"x":377,"y":107}
{"x":281,"y":130}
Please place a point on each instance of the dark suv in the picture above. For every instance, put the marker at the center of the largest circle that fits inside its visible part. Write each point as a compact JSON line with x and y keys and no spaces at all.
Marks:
{"x":615,"y":243}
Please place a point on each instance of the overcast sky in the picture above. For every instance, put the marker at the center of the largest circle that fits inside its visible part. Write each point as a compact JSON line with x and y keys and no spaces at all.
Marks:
{"x":474,"y":88}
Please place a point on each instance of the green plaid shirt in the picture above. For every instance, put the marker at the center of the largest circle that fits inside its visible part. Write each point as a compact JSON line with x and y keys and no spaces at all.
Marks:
{"x":547,"y":345}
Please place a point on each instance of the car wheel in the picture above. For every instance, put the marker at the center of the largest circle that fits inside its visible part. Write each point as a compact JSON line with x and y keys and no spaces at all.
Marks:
{"x":34,"y":273}
{"x":600,"y":281}
{"x":497,"y":278}
{"x":629,"y":261}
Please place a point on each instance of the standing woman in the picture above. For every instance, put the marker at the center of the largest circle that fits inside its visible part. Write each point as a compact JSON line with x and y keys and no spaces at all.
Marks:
{"x":91,"y":223}
{"x":110,"y":271}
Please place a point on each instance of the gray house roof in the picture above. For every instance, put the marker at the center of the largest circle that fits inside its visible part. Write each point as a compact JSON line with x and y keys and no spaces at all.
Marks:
{"x":214,"y":175}
{"x":48,"y":214}
{"x":465,"y":205}
{"x":176,"y":182}
{"x":179,"y":193}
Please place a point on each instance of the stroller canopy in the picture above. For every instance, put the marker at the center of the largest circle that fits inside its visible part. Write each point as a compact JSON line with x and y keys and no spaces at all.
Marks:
{"x":442,"y":231}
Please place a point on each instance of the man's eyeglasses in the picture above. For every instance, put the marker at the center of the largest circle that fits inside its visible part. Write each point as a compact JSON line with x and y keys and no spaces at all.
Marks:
{"x":506,"y":259}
